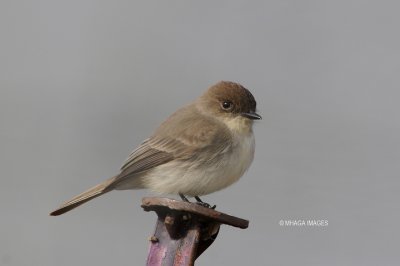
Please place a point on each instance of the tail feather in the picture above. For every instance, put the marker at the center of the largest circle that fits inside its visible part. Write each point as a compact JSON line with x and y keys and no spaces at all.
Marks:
{"x":89,"y":194}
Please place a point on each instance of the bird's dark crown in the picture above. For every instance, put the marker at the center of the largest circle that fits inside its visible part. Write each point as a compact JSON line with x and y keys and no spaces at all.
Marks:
{"x":226,"y":91}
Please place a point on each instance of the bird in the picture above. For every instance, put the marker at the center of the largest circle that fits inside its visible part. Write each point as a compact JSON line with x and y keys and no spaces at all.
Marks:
{"x":203,"y":147}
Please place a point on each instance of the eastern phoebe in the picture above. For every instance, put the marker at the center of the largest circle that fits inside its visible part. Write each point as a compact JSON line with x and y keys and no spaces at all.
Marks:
{"x":201,"y":148}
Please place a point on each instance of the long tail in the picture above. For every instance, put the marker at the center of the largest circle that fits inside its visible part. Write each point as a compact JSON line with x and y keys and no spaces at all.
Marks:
{"x":89,"y":194}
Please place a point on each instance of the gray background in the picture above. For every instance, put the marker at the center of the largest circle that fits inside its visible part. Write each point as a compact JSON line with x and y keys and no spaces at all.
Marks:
{"x":84,"y":82}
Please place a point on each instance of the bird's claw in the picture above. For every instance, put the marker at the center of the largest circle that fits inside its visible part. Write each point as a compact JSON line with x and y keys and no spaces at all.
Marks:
{"x":206,"y":205}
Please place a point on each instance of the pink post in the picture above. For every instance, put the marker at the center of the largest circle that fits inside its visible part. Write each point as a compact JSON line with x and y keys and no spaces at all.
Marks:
{"x":183,"y":231}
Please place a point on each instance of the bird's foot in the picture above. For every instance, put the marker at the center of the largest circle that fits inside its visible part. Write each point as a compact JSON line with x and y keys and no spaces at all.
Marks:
{"x":198,"y":201}
{"x":204,"y":204}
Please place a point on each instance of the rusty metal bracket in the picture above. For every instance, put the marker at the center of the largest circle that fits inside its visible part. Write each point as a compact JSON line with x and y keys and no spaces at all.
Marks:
{"x":183,"y":230}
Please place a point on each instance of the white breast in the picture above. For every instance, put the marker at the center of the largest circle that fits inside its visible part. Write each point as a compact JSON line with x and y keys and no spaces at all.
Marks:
{"x":237,"y":163}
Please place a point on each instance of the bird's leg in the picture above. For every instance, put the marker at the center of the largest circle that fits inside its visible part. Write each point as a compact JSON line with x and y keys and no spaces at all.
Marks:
{"x":198,"y":199}
{"x":183,"y":197}
{"x":204,"y":204}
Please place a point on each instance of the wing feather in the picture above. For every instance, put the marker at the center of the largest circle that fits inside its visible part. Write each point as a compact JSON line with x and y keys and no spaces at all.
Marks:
{"x":144,"y":158}
{"x":170,"y":142}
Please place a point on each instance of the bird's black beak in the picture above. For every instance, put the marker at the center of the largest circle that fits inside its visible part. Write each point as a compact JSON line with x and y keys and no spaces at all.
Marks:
{"x":252,"y":116}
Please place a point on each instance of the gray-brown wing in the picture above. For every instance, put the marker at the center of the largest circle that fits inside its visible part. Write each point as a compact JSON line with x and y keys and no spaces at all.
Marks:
{"x":144,"y":158}
{"x":171,"y":142}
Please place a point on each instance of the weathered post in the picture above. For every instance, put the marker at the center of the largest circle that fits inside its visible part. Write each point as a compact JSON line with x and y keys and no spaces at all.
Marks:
{"x":183,"y":230}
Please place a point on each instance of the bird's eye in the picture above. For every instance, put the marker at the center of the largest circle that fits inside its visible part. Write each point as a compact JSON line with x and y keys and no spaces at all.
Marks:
{"x":227,"y":105}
